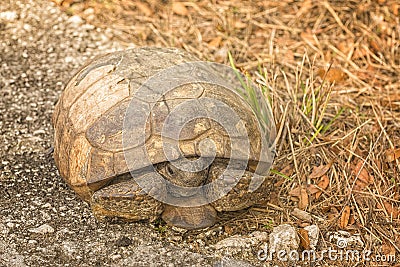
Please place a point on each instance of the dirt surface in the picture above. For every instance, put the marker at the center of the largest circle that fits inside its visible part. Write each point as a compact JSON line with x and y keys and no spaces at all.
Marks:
{"x":42,"y":222}
{"x":338,"y":130}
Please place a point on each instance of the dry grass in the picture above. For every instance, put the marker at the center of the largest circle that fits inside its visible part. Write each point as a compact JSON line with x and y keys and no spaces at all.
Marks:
{"x":348,"y":117}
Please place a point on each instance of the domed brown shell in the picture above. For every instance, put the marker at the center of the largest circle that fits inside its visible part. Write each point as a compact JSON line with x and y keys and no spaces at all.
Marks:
{"x":88,"y":118}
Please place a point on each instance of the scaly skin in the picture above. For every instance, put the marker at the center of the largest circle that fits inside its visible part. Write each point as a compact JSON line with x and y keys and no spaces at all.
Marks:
{"x":125,"y":199}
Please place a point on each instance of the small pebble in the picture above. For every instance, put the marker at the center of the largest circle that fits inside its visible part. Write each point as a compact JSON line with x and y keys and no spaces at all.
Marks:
{"x":43,"y":229}
{"x":313,"y":233}
{"x":8,"y":15}
{"x":76,"y":20}
{"x":115,"y":257}
{"x":47,"y":206}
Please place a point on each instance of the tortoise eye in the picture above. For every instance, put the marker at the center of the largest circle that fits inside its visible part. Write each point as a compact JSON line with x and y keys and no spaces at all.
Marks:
{"x":169,"y":170}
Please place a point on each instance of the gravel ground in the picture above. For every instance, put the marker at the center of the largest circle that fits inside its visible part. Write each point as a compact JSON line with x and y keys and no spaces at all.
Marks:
{"x":42,"y":222}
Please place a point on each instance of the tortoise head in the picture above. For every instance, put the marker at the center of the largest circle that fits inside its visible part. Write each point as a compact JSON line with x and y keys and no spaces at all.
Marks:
{"x":186,"y":178}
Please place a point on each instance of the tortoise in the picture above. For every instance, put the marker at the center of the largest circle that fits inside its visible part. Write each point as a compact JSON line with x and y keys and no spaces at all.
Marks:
{"x":115,"y":163}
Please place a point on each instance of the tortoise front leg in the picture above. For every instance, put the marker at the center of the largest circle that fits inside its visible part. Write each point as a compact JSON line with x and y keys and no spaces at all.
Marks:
{"x":128,"y":201}
{"x":239,"y":197}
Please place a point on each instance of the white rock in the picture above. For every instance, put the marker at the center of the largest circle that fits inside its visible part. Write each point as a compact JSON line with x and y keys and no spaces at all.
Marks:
{"x":47,"y":205}
{"x":115,"y":257}
{"x":69,"y":59}
{"x":63,"y":208}
{"x":283,"y":238}
{"x":27,"y":27}
{"x":8,"y":15}
{"x":240,"y":244}
{"x":88,"y":11}
{"x":233,"y":241}
{"x":43,"y":229}
{"x":3,"y":229}
{"x":69,"y":248}
{"x":10,"y":225}
{"x":76,"y":20}
{"x":313,"y":235}
{"x":259,"y":236}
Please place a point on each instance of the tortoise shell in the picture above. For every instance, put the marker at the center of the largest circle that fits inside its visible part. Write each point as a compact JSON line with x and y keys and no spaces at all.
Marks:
{"x":89,"y":150}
